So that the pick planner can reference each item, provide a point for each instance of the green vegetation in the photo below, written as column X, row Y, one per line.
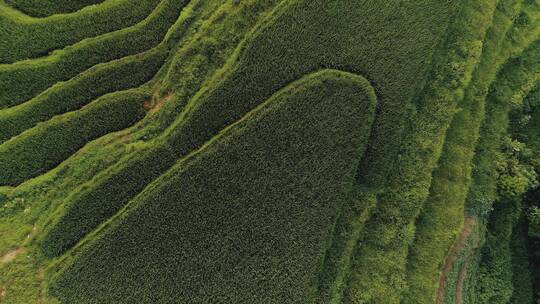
column 277, row 151
column 40, row 149
column 109, row 191
column 323, row 119
column 523, row 292
column 114, row 76
column 24, row 37
column 441, row 220
column 23, row 80
column 221, row 103
column 43, row 8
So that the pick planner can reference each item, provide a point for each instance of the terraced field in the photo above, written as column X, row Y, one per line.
column 276, row 151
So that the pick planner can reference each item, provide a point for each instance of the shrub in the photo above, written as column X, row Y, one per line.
column 442, row 216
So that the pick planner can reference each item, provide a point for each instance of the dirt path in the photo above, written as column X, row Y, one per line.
column 468, row 228
column 10, row 256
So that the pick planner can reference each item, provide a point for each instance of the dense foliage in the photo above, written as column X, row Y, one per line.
column 276, row 151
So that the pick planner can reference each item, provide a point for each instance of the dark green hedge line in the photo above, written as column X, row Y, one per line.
column 118, row 75
column 515, row 80
column 523, row 290
column 494, row 278
column 24, row 80
column 142, row 167
column 442, row 218
column 263, row 196
column 43, row 147
column 44, row 8
column 24, row 37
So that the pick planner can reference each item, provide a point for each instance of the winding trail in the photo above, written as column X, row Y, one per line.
column 468, row 227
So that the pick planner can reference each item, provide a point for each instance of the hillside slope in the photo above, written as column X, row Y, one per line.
column 276, row 151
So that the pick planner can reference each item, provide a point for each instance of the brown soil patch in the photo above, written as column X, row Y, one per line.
column 468, row 228
column 155, row 103
column 10, row 256
column 147, row 104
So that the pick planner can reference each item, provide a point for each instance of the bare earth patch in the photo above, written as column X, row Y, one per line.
column 155, row 103
column 10, row 256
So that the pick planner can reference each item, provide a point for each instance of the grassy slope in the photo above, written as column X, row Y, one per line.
column 451, row 179
column 44, row 8
column 270, row 212
column 118, row 75
column 186, row 76
column 104, row 195
column 34, row 161
column 24, row 37
column 40, row 193
column 24, row 209
column 462, row 37
column 378, row 273
column 221, row 102
column 442, row 217
column 40, row 149
column 515, row 81
column 23, row 80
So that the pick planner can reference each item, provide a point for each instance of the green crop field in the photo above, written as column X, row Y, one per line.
column 270, row 151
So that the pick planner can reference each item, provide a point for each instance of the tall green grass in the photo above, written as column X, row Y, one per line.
column 24, row 37
column 40, row 149
column 24, row 80
column 263, row 64
column 111, row 189
column 44, row 8
column 262, row 195
column 379, row 269
column 68, row 96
